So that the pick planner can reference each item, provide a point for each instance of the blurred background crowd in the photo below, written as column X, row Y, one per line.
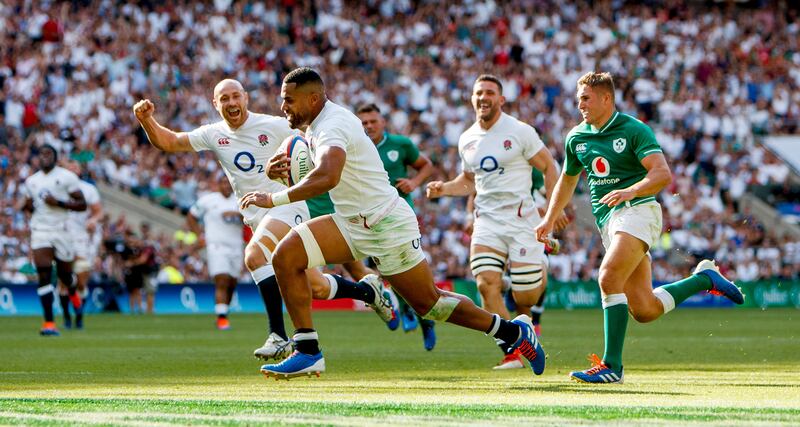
column 710, row 79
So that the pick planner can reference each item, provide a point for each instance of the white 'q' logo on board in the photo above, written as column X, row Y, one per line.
column 600, row 167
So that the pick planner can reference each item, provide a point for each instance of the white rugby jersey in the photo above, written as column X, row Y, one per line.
column 78, row 219
column 220, row 229
column 59, row 182
column 244, row 153
column 499, row 157
column 364, row 185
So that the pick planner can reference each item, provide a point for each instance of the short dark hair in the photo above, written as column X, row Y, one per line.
column 490, row 78
column 368, row 108
column 303, row 75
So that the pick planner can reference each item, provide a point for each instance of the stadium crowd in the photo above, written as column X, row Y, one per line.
column 710, row 79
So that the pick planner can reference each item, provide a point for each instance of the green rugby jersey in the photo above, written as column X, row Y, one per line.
column 397, row 154
column 611, row 157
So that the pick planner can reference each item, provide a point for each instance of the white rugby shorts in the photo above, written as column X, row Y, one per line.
column 389, row 235
column 641, row 221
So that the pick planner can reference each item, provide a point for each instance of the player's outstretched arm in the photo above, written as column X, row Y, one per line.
column 561, row 196
column 160, row 137
column 462, row 185
column 658, row 176
column 543, row 161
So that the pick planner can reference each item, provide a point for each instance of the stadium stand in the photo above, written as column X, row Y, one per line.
column 69, row 73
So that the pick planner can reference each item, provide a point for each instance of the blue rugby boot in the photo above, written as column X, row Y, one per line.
column 599, row 373
column 296, row 365
column 49, row 330
column 428, row 334
column 410, row 321
column 529, row 345
column 719, row 284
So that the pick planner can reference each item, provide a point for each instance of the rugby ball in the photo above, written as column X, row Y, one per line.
column 301, row 160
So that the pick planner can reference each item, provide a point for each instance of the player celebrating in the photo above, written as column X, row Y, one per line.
column 86, row 236
column 243, row 141
column 397, row 154
column 625, row 169
column 219, row 213
column 370, row 221
column 52, row 193
column 497, row 154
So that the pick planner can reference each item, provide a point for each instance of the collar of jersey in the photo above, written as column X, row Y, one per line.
column 249, row 116
column 385, row 137
column 328, row 103
column 605, row 126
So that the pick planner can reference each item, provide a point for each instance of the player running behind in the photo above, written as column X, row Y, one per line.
column 243, row 142
column 625, row 168
column 398, row 153
column 85, row 237
column 221, row 224
column 497, row 154
column 52, row 193
column 370, row 221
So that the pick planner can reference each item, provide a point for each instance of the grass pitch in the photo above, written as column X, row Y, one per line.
column 698, row 366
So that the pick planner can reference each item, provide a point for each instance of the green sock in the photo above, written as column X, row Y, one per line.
column 616, row 322
column 683, row 289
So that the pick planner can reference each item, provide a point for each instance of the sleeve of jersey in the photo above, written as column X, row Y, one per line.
column 197, row 210
column 464, row 165
column 645, row 142
column 572, row 166
column 73, row 183
column 24, row 190
column 198, row 138
column 532, row 143
column 412, row 152
column 93, row 196
column 333, row 137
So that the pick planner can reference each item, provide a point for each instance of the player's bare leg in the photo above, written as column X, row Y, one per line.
column 224, row 285
column 623, row 257
column 417, row 287
column 642, row 302
column 489, row 264
column 43, row 260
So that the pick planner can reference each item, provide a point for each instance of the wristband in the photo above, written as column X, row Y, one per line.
column 281, row 198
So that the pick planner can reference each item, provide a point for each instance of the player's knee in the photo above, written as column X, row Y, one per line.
column 609, row 279
column 441, row 310
column 254, row 257
column 287, row 256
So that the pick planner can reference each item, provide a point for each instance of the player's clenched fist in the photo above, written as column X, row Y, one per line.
column 434, row 189
column 144, row 109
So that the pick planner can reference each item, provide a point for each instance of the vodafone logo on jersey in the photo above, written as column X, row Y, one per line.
column 600, row 167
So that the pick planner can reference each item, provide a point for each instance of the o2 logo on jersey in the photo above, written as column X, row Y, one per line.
column 246, row 162
column 600, row 167
column 489, row 164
